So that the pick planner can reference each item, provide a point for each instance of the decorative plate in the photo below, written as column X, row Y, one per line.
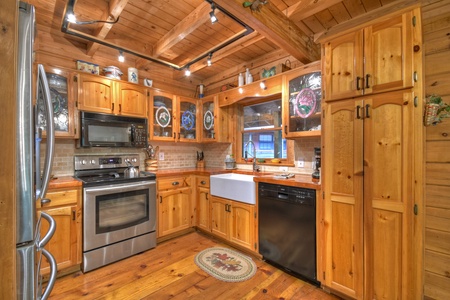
column 305, row 103
column 208, row 120
column 187, row 120
column 162, row 116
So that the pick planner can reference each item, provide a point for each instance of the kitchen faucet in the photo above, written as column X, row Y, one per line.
column 255, row 167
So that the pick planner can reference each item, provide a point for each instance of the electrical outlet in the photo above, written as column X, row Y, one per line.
column 283, row 169
column 301, row 163
column 161, row 155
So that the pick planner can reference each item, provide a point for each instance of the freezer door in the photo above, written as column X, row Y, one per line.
column 26, row 273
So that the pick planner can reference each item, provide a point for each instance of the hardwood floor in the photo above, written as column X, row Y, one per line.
column 169, row 272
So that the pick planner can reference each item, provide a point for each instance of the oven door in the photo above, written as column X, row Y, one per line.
column 113, row 213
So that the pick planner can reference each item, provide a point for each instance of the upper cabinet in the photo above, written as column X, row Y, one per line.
column 100, row 94
column 374, row 59
column 214, row 121
column 302, row 97
column 173, row 118
column 61, row 92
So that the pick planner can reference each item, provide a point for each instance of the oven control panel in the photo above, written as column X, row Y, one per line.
column 89, row 162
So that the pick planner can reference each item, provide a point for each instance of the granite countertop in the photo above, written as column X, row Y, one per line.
column 64, row 182
column 299, row 180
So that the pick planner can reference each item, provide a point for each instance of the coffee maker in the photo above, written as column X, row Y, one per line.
column 316, row 173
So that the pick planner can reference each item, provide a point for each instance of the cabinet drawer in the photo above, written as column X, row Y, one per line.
column 202, row 181
column 61, row 197
column 173, row 182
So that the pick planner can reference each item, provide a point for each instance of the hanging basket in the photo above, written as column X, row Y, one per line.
column 430, row 116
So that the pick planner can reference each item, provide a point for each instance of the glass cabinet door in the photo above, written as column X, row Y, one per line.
column 62, row 104
column 208, row 118
column 304, row 105
column 162, row 116
column 187, row 116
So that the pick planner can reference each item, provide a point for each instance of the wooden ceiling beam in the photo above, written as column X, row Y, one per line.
column 304, row 9
column 275, row 26
column 194, row 20
column 115, row 9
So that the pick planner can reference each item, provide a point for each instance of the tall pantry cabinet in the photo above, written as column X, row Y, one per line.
column 368, row 159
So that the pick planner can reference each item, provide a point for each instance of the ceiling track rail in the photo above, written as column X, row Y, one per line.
column 70, row 8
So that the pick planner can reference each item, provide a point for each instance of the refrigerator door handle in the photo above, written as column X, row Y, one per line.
column 41, row 243
column 52, row 278
column 41, row 186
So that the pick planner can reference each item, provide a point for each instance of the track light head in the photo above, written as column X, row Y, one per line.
column 209, row 61
column 212, row 16
column 121, row 58
column 187, row 72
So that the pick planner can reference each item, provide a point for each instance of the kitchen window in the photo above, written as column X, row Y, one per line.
column 261, row 124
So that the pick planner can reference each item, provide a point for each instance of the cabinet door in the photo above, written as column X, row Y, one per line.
column 203, row 219
column 219, row 217
column 388, row 55
column 388, row 195
column 95, row 94
column 173, row 212
column 187, row 120
column 242, row 230
column 161, row 116
column 209, row 120
column 63, row 245
column 343, row 66
column 61, row 93
column 343, row 186
column 132, row 100
column 302, row 104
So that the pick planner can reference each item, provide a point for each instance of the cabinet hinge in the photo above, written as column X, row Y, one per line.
column 148, row 94
column 323, row 275
column 76, row 104
column 75, row 78
column 75, row 131
column 416, row 209
column 255, row 246
column 416, row 101
column 323, row 195
column 255, row 215
column 414, row 21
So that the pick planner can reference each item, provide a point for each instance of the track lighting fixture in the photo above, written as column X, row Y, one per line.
column 121, row 58
column 212, row 16
column 209, row 61
column 187, row 72
column 71, row 18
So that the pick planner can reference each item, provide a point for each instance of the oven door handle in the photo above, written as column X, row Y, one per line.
column 115, row 188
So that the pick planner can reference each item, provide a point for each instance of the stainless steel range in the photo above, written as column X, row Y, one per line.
column 119, row 212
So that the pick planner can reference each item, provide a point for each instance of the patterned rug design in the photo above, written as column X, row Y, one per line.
column 225, row 264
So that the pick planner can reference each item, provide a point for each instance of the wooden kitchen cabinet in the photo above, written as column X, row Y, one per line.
column 173, row 118
column 203, row 219
column 65, row 245
column 374, row 59
column 104, row 95
column 174, row 204
column 233, row 221
column 215, row 121
column 302, row 103
column 61, row 84
column 369, row 203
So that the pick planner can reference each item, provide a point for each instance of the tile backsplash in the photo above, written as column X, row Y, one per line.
column 178, row 155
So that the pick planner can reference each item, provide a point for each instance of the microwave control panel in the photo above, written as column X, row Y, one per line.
column 139, row 133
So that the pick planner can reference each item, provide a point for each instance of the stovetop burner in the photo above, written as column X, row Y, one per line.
column 104, row 170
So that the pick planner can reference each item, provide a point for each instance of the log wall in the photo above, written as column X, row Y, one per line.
column 436, row 31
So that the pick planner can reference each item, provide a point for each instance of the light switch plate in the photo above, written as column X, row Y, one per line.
column 161, row 155
column 301, row 163
column 284, row 169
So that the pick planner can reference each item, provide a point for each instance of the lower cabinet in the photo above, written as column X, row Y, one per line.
column 203, row 220
column 174, row 204
column 65, row 246
column 233, row 221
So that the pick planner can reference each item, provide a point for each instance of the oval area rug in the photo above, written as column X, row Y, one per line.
column 226, row 264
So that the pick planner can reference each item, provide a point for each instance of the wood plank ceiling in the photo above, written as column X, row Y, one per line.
column 178, row 32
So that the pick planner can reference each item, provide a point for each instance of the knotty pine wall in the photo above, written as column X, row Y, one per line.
column 436, row 32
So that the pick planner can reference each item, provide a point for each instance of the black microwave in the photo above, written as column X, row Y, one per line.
column 103, row 130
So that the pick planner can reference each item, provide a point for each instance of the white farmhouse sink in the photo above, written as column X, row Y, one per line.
column 239, row 187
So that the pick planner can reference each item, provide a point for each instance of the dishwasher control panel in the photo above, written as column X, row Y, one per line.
column 291, row 194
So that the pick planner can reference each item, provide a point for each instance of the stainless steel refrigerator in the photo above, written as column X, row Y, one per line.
column 32, row 179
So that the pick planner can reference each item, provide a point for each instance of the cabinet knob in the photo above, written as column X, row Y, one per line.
column 203, row 182
column 175, row 183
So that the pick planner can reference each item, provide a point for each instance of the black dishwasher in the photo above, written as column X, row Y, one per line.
column 287, row 229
